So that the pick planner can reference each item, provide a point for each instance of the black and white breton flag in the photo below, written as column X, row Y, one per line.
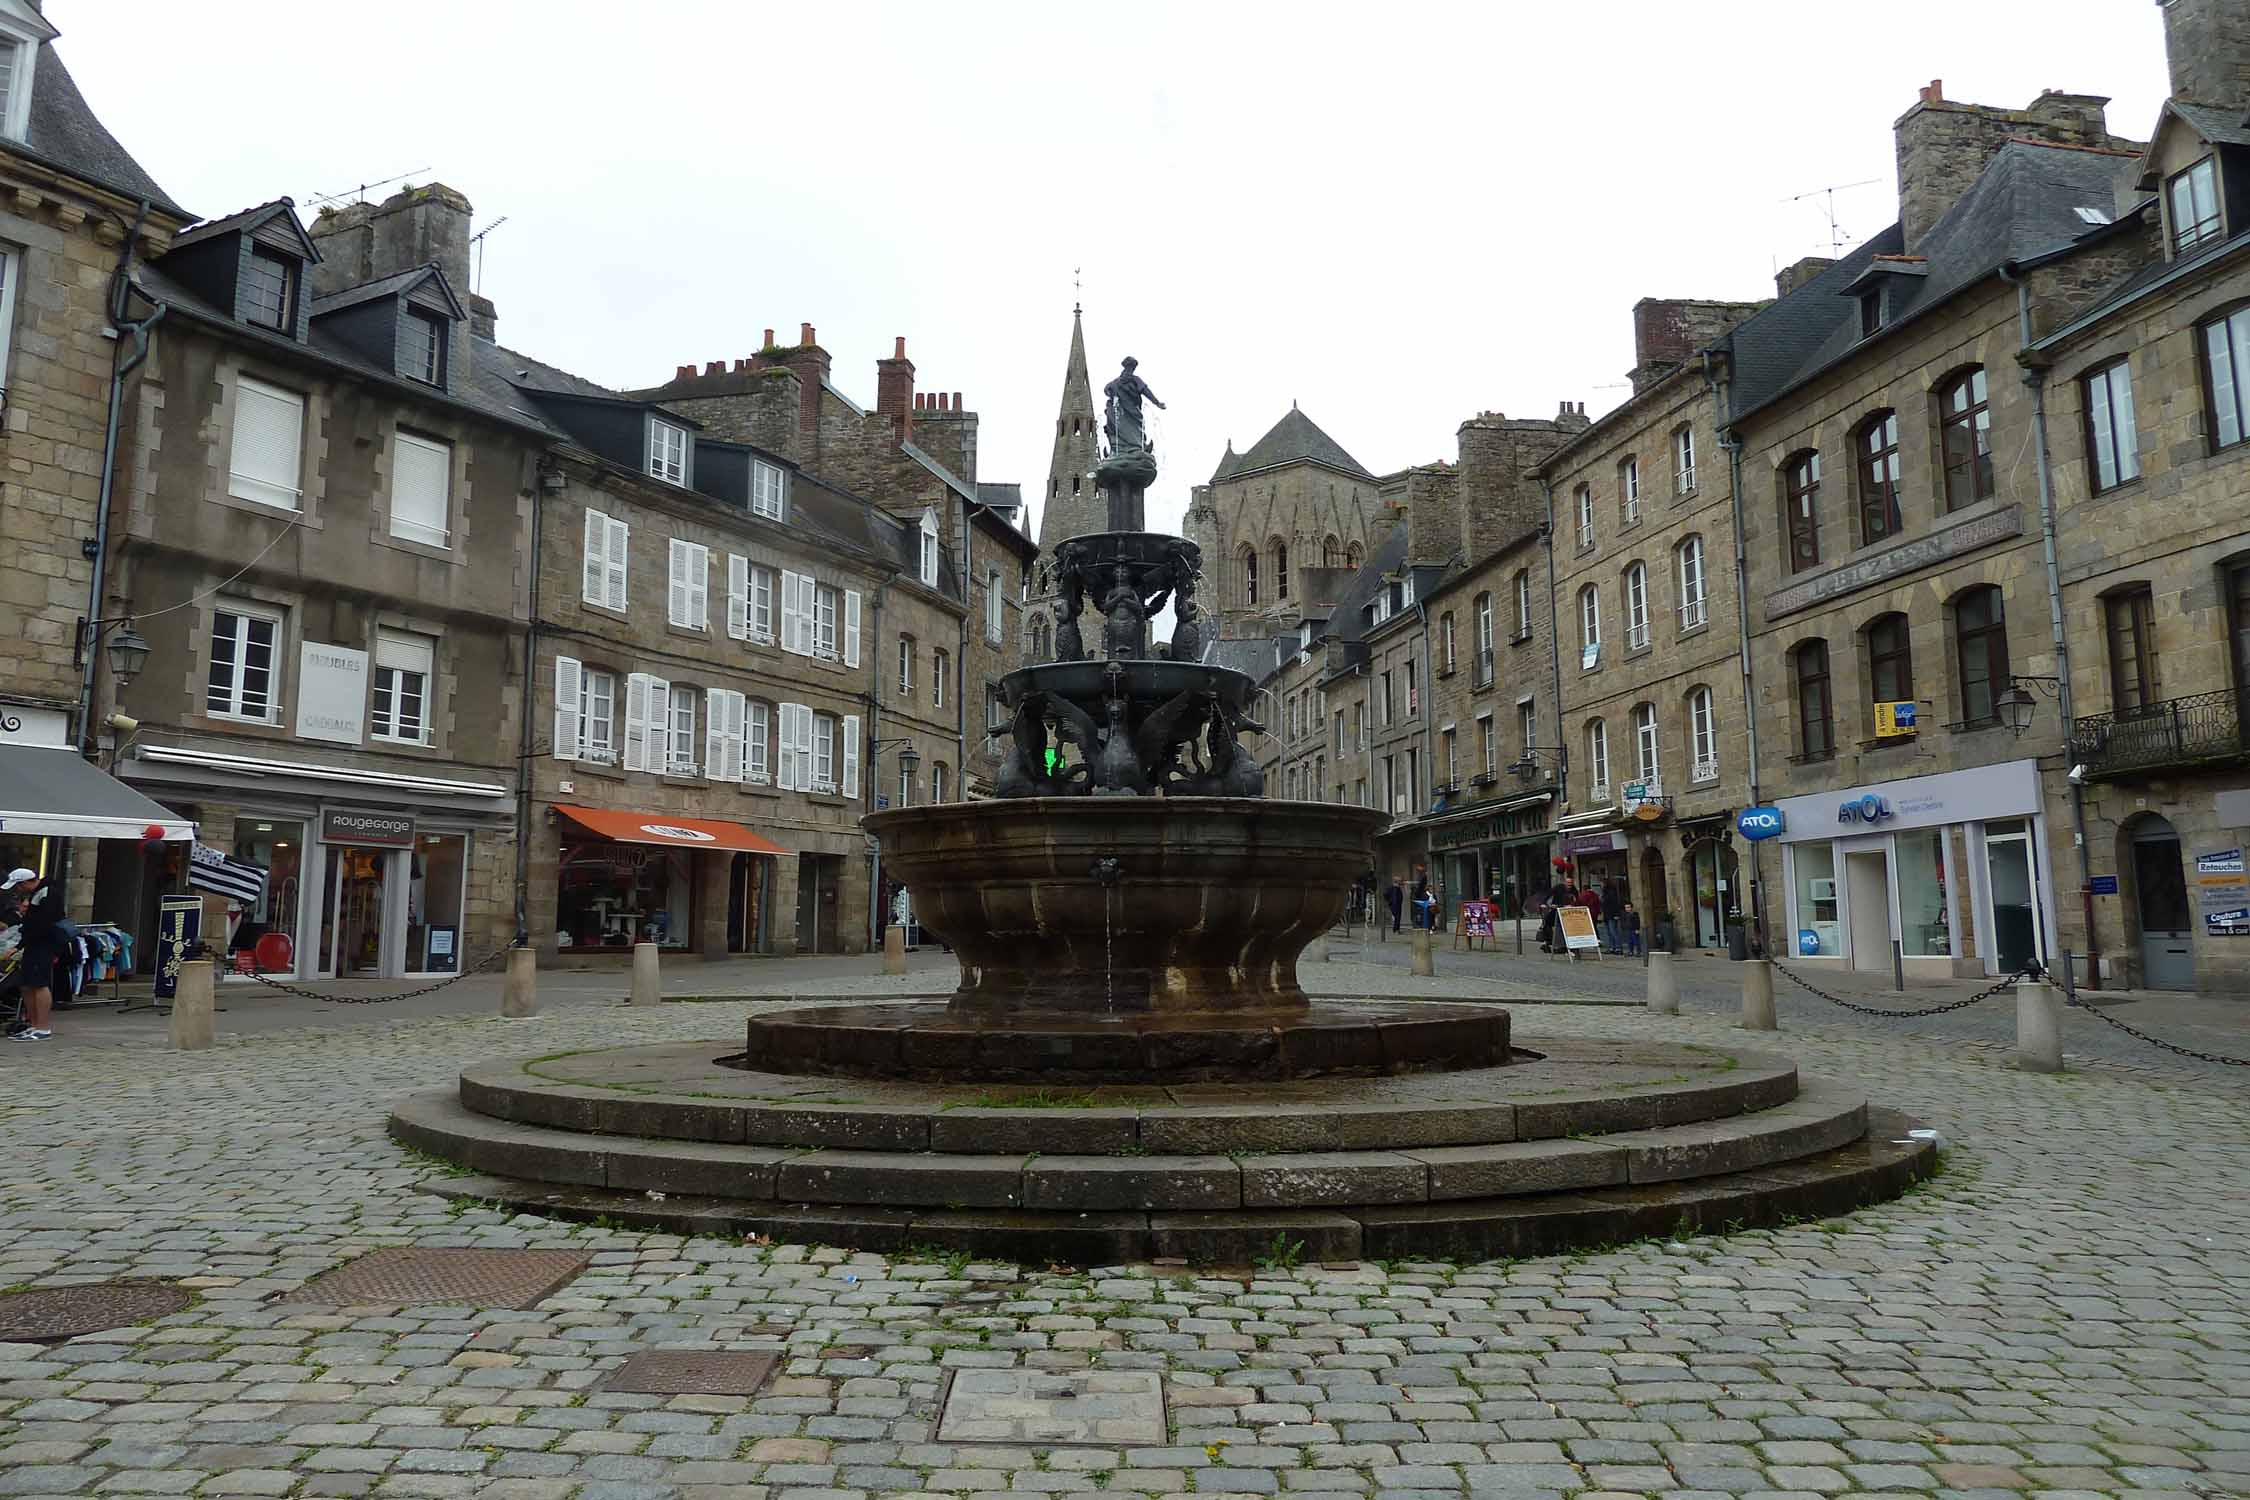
column 238, row 880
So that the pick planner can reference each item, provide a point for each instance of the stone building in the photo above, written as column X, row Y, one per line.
column 1650, row 660
column 1295, row 500
column 1888, row 476
column 75, row 211
column 319, row 536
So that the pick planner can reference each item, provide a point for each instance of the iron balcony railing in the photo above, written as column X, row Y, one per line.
column 2199, row 728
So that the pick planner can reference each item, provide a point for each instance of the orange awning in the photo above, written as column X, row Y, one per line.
column 670, row 831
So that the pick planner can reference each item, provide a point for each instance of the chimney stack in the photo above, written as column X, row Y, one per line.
column 1943, row 146
column 894, row 391
column 2207, row 43
column 360, row 242
column 1789, row 278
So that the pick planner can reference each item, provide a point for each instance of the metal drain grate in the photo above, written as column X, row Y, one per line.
column 475, row 1278
column 691, row 1372
column 61, row 1312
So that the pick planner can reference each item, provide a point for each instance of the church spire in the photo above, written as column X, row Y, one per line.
column 1071, row 505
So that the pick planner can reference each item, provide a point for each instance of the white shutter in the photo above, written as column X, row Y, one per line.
column 790, row 774
column 851, row 752
column 620, row 539
column 792, row 615
column 570, row 684
column 722, row 716
column 659, row 725
column 738, row 595
column 808, row 616
column 636, row 722
column 807, row 740
column 421, row 484
column 851, row 627
column 269, row 434
column 678, row 605
column 699, row 586
column 594, row 586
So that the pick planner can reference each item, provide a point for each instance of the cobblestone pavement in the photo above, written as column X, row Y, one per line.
column 2064, row 1313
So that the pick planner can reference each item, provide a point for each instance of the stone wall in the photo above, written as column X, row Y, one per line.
column 1302, row 505
column 1943, row 145
column 2208, row 45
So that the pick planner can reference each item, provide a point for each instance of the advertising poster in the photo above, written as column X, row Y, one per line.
column 2222, row 893
column 179, row 925
column 1476, row 918
column 1578, row 929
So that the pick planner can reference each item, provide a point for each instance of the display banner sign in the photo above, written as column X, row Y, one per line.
column 1578, row 929
column 1476, row 918
column 179, row 924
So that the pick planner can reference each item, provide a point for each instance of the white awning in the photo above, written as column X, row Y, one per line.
column 251, row 765
column 57, row 793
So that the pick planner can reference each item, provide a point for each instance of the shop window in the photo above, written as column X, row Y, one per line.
column 611, row 896
column 278, row 844
column 1924, row 923
column 438, row 878
column 1816, row 728
column 1980, row 632
column 1819, row 934
column 1966, row 439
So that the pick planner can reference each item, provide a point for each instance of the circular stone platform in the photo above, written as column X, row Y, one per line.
column 935, row 1043
column 1573, row 1143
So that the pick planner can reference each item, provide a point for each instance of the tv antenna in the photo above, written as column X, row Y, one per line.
column 476, row 245
column 1828, row 194
column 338, row 197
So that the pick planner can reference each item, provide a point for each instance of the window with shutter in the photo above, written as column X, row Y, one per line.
column 795, row 636
column 824, row 622
column 636, row 722
column 851, row 627
column 421, row 490
column 620, row 539
column 404, row 667
column 679, row 757
column 594, row 579
column 659, row 725
column 569, row 684
column 722, row 714
column 851, row 757
column 597, row 739
column 688, row 599
column 761, row 605
column 824, row 754
column 738, row 596
column 269, row 433
column 790, row 772
column 757, row 765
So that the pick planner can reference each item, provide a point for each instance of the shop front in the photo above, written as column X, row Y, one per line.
column 1952, row 869
column 1711, row 869
column 685, row 884
column 49, row 795
column 1497, row 851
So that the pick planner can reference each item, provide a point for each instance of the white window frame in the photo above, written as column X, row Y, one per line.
column 254, row 488
column 597, row 731
column 823, row 755
column 15, row 110
column 1647, row 745
column 2115, row 424
column 1527, row 722
column 826, row 605
column 2201, row 181
column 688, row 592
column 937, row 781
column 1703, row 736
column 396, row 644
column 1683, row 460
column 1585, row 499
column 1636, row 607
column 1695, row 597
column 679, row 739
column 769, row 490
column 1523, row 606
column 404, row 528
column 1589, row 628
column 1488, row 741
column 941, row 661
column 1597, row 760
column 1629, row 482
column 607, row 546
column 762, row 581
column 11, row 268
column 927, row 553
column 906, row 667
column 246, row 614
column 995, row 607
column 757, row 742
column 667, row 451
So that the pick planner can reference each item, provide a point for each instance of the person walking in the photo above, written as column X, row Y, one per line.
column 1395, row 898
column 39, row 907
column 1630, row 924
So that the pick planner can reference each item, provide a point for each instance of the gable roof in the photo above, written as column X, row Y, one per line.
column 63, row 133
column 2024, row 204
column 2221, row 127
column 1293, row 439
column 397, row 284
column 249, row 221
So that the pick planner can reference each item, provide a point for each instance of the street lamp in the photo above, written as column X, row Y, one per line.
column 909, row 760
column 2015, row 705
column 128, row 652
column 1526, row 766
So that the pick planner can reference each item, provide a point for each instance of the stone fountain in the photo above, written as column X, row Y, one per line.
column 1130, row 1067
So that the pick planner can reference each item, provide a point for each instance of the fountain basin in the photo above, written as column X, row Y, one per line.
column 1109, row 907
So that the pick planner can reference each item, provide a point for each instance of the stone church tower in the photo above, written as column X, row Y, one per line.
column 1070, row 506
column 1295, row 502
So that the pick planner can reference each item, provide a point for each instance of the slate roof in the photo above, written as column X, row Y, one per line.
column 387, row 286
column 1006, row 496
column 2221, row 127
column 2023, row 205
column 248, row 218
column 63, row 133
column 1293, row 439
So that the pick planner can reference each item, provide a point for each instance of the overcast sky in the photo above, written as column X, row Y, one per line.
column 1396, row 215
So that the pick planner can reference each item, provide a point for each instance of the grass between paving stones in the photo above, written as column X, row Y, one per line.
column 1037, row 1099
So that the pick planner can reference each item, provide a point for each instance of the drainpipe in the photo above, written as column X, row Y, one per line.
column 1731, row 445
column 121, row 365
column 961, row 653
column 524, row 753
column 1554, row 657
column 2035, row 376
column 878, row 918
column 1426, row 713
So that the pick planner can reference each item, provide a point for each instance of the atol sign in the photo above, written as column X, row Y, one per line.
column 1758, row 822
column 1868, row 809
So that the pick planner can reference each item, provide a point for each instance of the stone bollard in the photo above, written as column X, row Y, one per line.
column 894, row 949
column 1420, row 966
column 1757, row 995
column 1663, row 986
column 193, row 1027
column 2038, row 1027
column 519, row 990
column 648, row 981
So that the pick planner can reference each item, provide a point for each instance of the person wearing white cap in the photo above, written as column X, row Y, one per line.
column 41, row 950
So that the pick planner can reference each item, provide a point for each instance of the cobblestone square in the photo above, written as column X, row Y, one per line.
column 2060, row 1314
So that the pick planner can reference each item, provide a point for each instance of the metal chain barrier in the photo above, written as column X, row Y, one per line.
column 489, row 961
column 2031, row 970
column 2028, row 971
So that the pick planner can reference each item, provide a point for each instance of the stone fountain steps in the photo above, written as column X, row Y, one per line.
column 1877, row 1166
column 1822, row 1117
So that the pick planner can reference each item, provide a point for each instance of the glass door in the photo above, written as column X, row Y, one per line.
column 351, row 911
column 2016, row 931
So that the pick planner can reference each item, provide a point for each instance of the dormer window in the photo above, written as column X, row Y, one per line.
column 928, row 556
column 667, row 451
column 769, row 489
column 421, row 354
column 21, row 31
column 269, row 290
column 1870, row 313
column 2193, row 197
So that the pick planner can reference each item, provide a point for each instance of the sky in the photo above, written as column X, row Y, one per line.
column 1395, row 216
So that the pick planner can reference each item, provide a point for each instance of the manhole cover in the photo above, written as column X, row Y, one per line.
column 476, row 1278
column 1096, row 1407
column 61, row 1312
column 690, row 1372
